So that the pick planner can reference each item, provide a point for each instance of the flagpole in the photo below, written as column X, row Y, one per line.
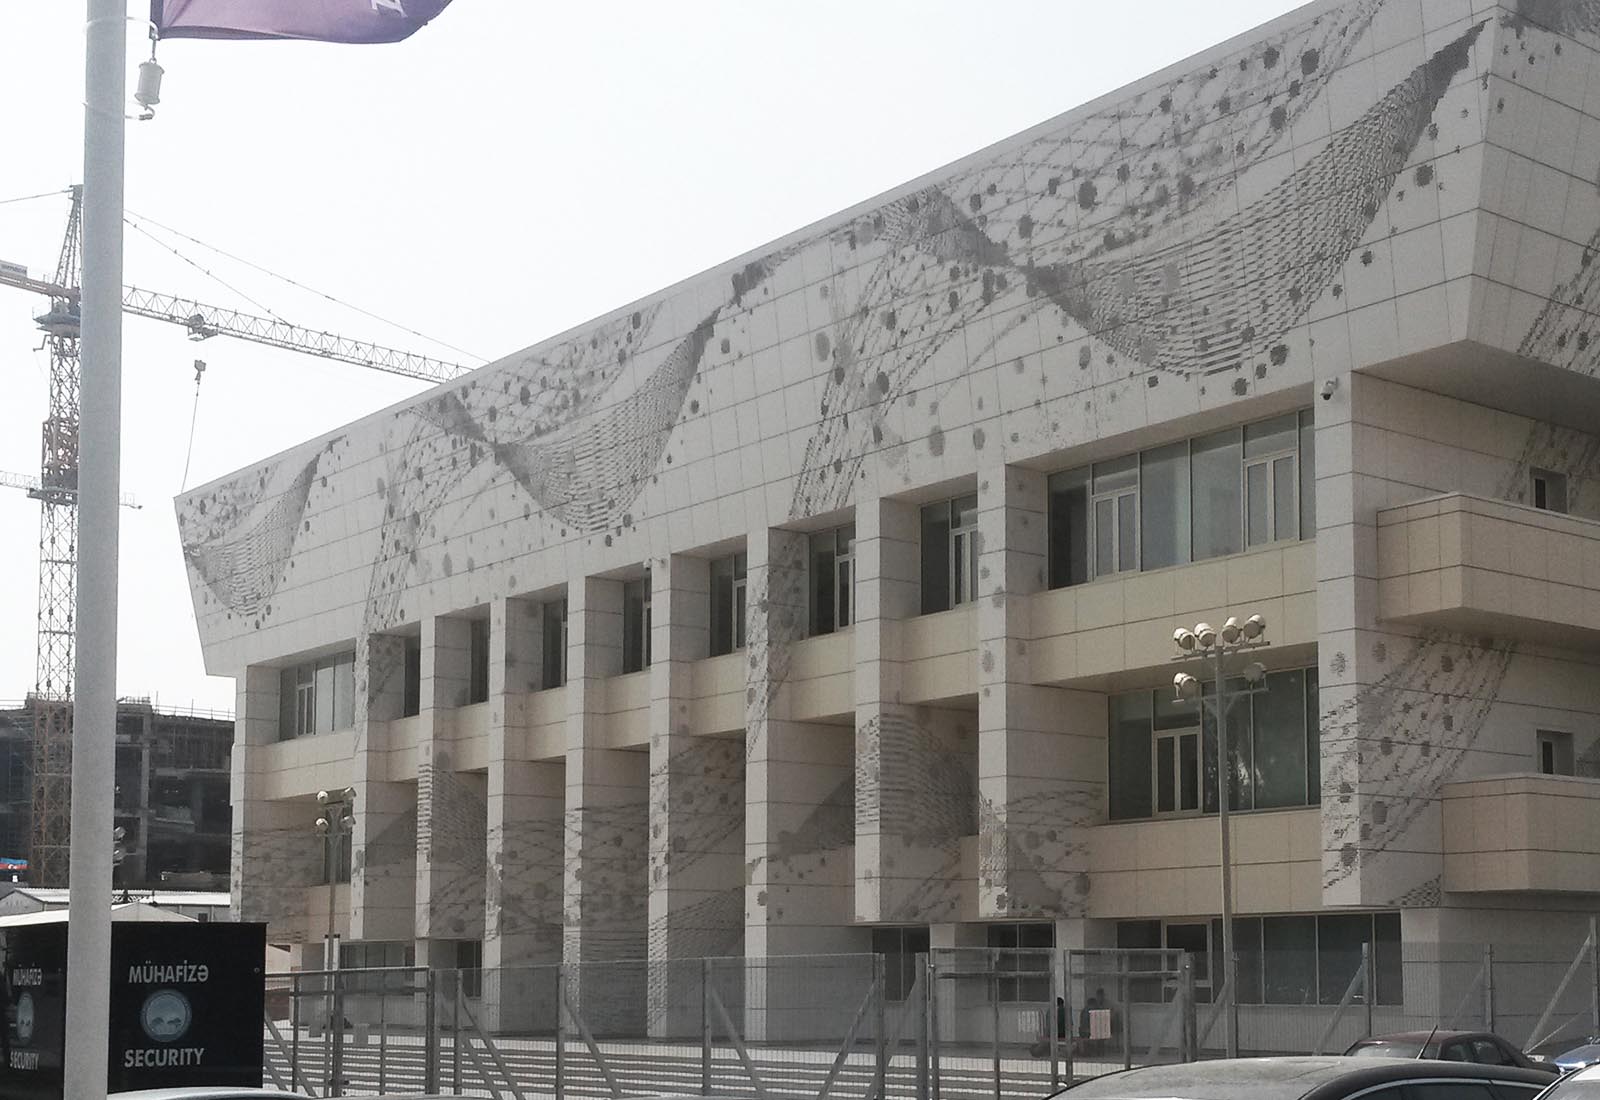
column 99, row 481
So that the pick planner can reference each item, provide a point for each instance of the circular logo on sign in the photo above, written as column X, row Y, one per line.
column 166, row 1015
column 25, row 1019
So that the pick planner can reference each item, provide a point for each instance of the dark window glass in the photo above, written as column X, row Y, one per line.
column 722, row 630
column 1278, row 757
column 1289, row 960
column 411, row 700
column 1389, row 978
column 1137, row 934
column 1164, row 506
column 899, row 948
column 1313, row 740
column 1247, row 945
column 478, row 661
column 1128, row 758
column 636, row 625
column 553, row 644
column 1452, row 1090
column 1339, row 940
column 1069, row 528
column 936, row 557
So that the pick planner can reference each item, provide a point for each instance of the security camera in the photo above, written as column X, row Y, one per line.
column 1328, row 387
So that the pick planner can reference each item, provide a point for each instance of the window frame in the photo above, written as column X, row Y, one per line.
column 478, row 648
column 962, row 554
column 1550, row 484
column 1562, row 752
column 1269, row 462
column 553, row 658
column 636, row 594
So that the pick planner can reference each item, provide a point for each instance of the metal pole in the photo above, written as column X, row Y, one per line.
column 933, row 1027
column 924, row 983
column 994, row 1004
column 455, row 1032
column 705, row 1027
column 430, row 1034
column 1594, row 974
column 1055, row 1024
column 336, row 1030
column 1230, row 1017
column 561, row 1031
column 1488, row 987
column 1368, row 986
column 880, row 1039
column 1186, row 979
column 294, row 1025
column 330, row 961
column 94, row 712
column 1127, row 1010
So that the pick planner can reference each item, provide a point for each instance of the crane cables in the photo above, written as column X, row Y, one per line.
column 134, row 218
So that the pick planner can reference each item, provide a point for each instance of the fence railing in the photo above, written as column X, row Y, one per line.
column 951, row 1024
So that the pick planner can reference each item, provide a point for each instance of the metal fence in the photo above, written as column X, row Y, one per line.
column 951, row 1024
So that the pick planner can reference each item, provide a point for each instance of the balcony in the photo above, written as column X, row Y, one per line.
column 1477, row 566
column 1522, row 833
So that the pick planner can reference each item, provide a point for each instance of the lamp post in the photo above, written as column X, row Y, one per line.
column 334, row 823
column 1206, row 641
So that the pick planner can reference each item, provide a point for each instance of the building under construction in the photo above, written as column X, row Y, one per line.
column 171, row 800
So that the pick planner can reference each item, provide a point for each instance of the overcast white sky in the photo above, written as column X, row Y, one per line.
column 515, row 169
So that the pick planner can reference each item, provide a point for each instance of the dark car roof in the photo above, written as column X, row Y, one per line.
column 1422, row 1036
column 1281, row 1078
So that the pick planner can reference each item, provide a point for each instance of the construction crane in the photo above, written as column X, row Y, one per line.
column 56, row 489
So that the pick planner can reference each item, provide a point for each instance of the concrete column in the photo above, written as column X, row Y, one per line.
column 799, row 780
column 1041, row 750
column 451, row 805
column 384, row 845
column 522, row 891
column 275, row 854
column 696, row 806
column 607, row 804
column 915, row 789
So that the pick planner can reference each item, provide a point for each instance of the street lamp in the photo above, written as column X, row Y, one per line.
column 334, row 823
column 1217, row 644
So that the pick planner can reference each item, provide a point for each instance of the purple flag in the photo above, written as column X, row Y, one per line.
column 314, row 20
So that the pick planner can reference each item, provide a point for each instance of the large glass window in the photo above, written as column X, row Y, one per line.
column 899, row 948
column 411, row 678
column 949, row 553
column 1164, row 506
column 553, row 643
column 636, row 624
column 1024, row 950
column 1216, row 502
column 1186, row 501
column 833, row 572
column 1161, row 754
column 728, row 599
column 317, row 697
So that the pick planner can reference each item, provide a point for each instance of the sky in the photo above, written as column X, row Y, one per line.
column 513, row 170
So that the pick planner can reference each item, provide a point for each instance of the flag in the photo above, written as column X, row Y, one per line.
column 313, row 20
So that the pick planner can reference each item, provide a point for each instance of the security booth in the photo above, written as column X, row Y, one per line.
column 186, row 1004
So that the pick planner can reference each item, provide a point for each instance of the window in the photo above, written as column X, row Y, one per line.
column 1186, row 501
column 553, row 644
column 949, row 553
column 1312, row 959
column 336, row 859
column 1115, row 516
column 1025, row 950
column 317, row 697
column 1547, row 490
column 1069, row 527
column 1555, row 752
column 469, row 966
column 899, row 948
column 377, row 956
column 833, row 573
column 1161, row 753
column 478, row 661
column 1216, row 503
column 636, row 624
column 1164, row 506
column 728, row 594
column 1272, row 484
column 411, row 679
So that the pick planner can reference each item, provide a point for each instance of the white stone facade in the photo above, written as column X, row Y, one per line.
column 1374, row 217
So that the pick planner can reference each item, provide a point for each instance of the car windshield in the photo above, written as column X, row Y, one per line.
column 1387, row 1048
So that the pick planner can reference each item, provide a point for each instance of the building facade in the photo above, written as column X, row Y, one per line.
column 825, row 602
column 172, row 775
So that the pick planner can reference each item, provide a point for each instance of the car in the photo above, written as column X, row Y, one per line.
column 1317, row 1078
column 1484, row 1047
column 1583, row 1084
